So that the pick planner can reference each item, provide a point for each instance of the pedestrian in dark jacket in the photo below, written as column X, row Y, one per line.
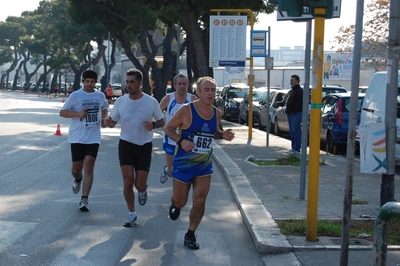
column 294, row 109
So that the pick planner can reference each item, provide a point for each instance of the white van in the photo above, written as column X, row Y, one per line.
column 373, row 108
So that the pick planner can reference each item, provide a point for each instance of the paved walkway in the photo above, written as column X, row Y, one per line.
column 266, row 194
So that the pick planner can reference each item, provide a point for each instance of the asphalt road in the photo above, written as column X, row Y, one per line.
column 40, row 223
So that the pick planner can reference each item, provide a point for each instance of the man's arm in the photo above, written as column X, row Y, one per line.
column 104, row 116
column 175, row 122
column 164, row 103
column 70, row 114
column 221, row 133
column 180, row 119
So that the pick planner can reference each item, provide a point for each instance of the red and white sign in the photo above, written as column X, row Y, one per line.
column 228, row 41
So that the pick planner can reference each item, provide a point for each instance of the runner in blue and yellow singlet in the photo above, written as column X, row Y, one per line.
column 198, row 125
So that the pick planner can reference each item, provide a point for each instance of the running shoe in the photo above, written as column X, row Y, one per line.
column 142, row 197
column 174, row 212
column 190, row 242
column 164, row 176
column 83, row 205
column 131, row 222
column 76, row 186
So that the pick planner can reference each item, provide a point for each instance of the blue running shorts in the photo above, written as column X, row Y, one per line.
column 186, row 175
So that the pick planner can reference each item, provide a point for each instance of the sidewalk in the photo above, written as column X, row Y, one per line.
column 265, row 194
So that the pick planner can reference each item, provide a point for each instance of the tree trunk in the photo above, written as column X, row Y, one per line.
column 192, row 27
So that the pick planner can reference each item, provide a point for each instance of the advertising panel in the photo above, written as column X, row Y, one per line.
column 337, row 67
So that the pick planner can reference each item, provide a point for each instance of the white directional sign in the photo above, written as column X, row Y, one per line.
column 228, row 41
column 282, row 15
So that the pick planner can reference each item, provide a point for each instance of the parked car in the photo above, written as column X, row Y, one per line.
column 218, row 92
column 281, row 123
column 12, row 86
column 362, row 89
column 335, row 118
column 229, row 99
column 327, row 89
column 259, row 94
column 32, row 87
column 117, row 90
column 274, row 96
column 374, row 105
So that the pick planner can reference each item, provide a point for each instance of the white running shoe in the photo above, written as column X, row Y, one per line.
column 142, row 197
column 76, row 187
column 164, row 176
column 84, row 205
column 131, row 222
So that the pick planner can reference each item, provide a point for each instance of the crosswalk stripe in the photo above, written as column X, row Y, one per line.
column 94, row 245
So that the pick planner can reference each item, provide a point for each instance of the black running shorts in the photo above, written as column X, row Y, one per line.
column 138, row 156
column 79, row 151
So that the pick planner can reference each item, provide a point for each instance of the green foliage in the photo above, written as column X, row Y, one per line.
column 374, row 37
column 359, row 202
column 333, row 228
column 298, row 227
column 60, row 29
column 291, row 160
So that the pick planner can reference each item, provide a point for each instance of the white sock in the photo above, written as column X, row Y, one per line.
column 134, row 214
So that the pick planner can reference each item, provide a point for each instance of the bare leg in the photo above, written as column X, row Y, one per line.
column 169, row 159
column 88, row 178
column 77, row 169
column 180, row 194
column 201, row 187
column 129, row 180
column 141, row 180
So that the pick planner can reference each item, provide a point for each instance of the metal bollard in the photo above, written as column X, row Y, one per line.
column 379, row 247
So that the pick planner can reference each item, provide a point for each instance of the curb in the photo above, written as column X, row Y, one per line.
column 263, row 229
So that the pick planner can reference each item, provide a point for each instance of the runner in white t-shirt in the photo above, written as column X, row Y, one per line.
column 138, row 114
column 169, row 104
column 87, row 108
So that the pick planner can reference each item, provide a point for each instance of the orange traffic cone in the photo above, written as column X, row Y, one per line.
column 38, row 95
column 50, row 97
column 62, row 100
column 58, row 131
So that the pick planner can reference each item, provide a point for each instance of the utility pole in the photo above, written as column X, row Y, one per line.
column 315, row 122
column 387, row 184
column 351, row 141
column 268, row 60
column 304, row 119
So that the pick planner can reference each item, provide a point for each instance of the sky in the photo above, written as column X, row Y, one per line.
column 283, row 33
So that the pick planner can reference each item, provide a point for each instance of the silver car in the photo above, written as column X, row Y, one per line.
column 276, row 95
column 117, row 90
